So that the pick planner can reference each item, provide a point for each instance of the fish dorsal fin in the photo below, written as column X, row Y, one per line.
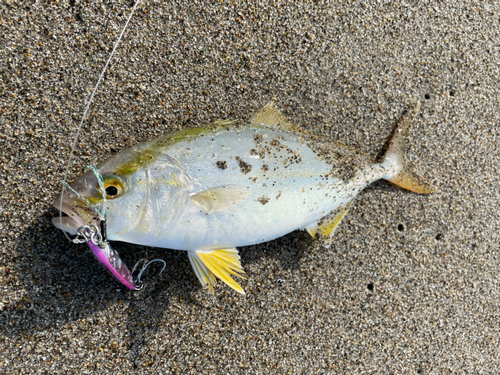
column 271, row 117
column 208, row 264
column 228, row 124
column 221, row 197
column 325, row 228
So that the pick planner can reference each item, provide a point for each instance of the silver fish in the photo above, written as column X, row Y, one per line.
column 211, row 189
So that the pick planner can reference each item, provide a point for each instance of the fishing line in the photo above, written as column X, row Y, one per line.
column 101, row 211
column 89, row 101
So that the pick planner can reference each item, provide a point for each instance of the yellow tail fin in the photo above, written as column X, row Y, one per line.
column 394, row 159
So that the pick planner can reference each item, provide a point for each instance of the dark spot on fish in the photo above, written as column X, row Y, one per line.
column 370, row 286
column 439, row 236
column 244, row 166
column 264, row 200
column 265, row 167
column 276, row 143
column 222, row 165
column 346, row 172
column 401, row 227
column 279, row 194
column 258, row 138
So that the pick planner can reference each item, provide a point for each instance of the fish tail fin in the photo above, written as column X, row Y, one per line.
column 394, row 160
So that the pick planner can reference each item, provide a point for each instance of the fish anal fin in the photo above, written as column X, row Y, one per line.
column 209, row 264
column 325, row 228
column 271, row 117
column 221, row 197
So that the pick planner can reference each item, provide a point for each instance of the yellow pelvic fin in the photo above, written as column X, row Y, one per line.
column 208, row 264
column 326, row 226
column 221, row 197
column 270, row 116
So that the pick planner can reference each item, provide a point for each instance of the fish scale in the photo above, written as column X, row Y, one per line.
column 299, row 187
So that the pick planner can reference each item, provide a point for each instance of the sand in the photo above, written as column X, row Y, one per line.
column 410, row 284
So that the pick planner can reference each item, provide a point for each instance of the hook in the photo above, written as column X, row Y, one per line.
column 139, row 284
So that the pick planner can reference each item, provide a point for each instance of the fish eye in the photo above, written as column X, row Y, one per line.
column 111, row 191
column 113, row 187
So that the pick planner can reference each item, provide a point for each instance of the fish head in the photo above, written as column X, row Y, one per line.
column 87, row 199
column 139, row 192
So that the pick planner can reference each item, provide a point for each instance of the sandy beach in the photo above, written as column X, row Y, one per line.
column 411, row 283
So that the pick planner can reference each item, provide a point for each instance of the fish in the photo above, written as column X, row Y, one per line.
column 209, row 190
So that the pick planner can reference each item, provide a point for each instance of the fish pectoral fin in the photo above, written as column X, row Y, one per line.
column 209, row 264
column 221, row 197
column 271, row 117
column 326, row 227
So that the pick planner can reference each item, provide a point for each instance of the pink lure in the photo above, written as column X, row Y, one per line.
column 110, row 259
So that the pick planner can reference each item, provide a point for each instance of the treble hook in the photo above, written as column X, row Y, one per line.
column 139, row 283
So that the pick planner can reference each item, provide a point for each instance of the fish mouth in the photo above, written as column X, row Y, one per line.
column 72, row 218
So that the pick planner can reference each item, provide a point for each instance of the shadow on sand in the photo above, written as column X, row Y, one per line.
column 63, row 283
